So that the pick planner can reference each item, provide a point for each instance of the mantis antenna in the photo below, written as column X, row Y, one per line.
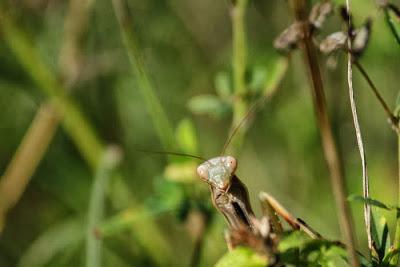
column 172, row 153
column 250, row 112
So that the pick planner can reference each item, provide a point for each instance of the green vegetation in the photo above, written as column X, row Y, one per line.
column 99, row 98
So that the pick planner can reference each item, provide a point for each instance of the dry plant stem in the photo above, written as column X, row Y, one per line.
column 158, row 115
column 239, row 62
column 389, row 113
column 367, row 207
column 26, row 159
column 328, row 142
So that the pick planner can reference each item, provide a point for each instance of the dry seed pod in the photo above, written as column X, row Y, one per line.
column 361, row 38
column 319, row 13
column 333, row 42
column 289, row 38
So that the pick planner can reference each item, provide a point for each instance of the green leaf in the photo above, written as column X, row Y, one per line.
column 294, row 239
column 370, row 201
column 52, row 242
column 389, row 256
column 208, row 105
column 258, row 77
column 241, row 257
column 186, row 136
column 223, row 85
column 275, row 75
column 393, row 22
column 380, row 234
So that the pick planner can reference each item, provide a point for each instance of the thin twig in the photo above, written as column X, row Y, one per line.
column 389, row 113
column 367, row 207
column 328, row 142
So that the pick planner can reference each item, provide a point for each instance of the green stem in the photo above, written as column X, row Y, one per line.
column 96, row 205
column 396, row 243
column 157, row 113
column 239, row 62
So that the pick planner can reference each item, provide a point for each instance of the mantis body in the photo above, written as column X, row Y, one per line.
column 230, row 197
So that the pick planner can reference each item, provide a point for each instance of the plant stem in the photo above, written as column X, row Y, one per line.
column 26, row 159
column 389, row 113
column 110, row 159
column 396, row 242
column 360, row 144
column 158, row 115
column 328, row 142
column 239, row 63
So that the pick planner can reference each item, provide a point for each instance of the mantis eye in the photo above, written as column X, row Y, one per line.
column 231, row 163
column 202, row 172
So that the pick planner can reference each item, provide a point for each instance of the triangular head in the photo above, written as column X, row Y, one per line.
column 218, row 171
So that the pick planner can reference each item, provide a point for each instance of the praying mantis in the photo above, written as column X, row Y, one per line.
column 230, row 197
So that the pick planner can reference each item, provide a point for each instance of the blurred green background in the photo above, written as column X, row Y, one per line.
column 185, row 45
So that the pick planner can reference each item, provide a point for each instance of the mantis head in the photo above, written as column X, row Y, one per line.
column 218, row 171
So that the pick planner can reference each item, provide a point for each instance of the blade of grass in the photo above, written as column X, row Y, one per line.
column 111, row 157
column 26, row 159
column 328, row 143
column 158, row 115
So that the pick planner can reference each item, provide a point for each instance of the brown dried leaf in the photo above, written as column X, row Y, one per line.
column 319, row 13
column 333, row 42
column 289, row 38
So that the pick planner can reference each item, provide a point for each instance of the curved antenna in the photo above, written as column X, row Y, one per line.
column 283, row 65
column 250, row 112
column 171, row 153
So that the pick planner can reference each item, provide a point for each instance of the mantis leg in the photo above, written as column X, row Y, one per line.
column 294, row 222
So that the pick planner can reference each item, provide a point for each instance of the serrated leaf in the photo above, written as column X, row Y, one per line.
column 186, row 136
column 241, row 257
column 208, row 105
column 223, row 85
